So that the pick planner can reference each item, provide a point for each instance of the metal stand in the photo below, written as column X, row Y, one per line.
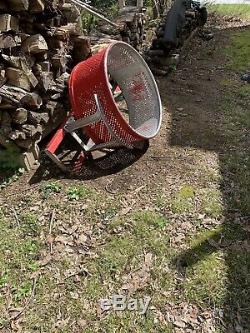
column 71, row 126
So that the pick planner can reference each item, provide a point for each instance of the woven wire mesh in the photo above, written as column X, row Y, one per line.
column 122, row 64
column 127, row 68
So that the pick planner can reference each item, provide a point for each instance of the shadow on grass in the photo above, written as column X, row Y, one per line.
column 223, row 126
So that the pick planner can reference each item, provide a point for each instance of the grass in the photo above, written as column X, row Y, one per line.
column 235, row 110
column 235, row 10
column 29, row 225
column 183, row 200
column 206, row 282
column 79, row 192
column 211, row 202
column 143, row 232
column 214, row 276
column 18, row 260
column 237, row 161
column 206, row 270
column 244, row 91
column 50, row 188
column 238, row 51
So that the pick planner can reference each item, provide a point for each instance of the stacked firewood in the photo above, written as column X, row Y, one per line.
column 40, row 42
column 160, row 59
column 177, row 26
column 133, row 26
column 130, row 26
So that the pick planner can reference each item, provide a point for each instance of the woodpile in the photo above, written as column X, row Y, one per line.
column 40, row 42
column 130, row 26
column 177, row 26
column 132, row 21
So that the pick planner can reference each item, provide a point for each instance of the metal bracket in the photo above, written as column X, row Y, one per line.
column 71, row 125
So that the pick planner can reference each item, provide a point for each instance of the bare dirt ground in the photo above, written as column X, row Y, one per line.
column 172, row 224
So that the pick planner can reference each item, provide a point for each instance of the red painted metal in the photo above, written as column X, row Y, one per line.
column 88, row 78
column 56, row 140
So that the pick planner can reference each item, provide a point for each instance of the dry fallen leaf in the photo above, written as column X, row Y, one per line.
column 139, row 279
column 179, row 323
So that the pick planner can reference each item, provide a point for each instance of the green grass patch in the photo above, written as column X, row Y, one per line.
column 216, row 268
column 116, row 254
column 238, row 262
column 227, row 82
column 18, row 259
column 236, row 113
column 183, row 201
column 238, row 166
column 244, row 91
column 238, row 50
column 50, row 188
column 30, row 225
column 236, row 10
column 236, row 161
column 80, row 192
column 211, row 202
column 139, row 324
column 206, row 282
column 150, row 219
column 206, row 270
column 144, row 233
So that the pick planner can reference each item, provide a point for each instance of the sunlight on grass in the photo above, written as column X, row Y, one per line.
column 183, row 201
column 206, row 270
column 206, row 281
column 122, row 321
column 211, row 202
column 236, row 10
column 209, row 268
column 80, row 192
column 238, row 51
column 18, row 256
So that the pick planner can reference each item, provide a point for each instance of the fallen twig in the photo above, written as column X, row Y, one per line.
column 50, row 230
column 52, row 221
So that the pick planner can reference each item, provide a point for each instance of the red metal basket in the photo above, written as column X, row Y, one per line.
column 94, row 108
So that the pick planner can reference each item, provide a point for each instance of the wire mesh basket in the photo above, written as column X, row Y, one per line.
column 122, row 66
column 115, row 101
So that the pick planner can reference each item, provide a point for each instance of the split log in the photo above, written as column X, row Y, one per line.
column 18, row 78
column 19, row 5
column 33, row 101
column 82, row 49
column 20, row 116
column 36, row 6
column 36, row 118
column 8, row 23
column 7, row 41
column 35, row 44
